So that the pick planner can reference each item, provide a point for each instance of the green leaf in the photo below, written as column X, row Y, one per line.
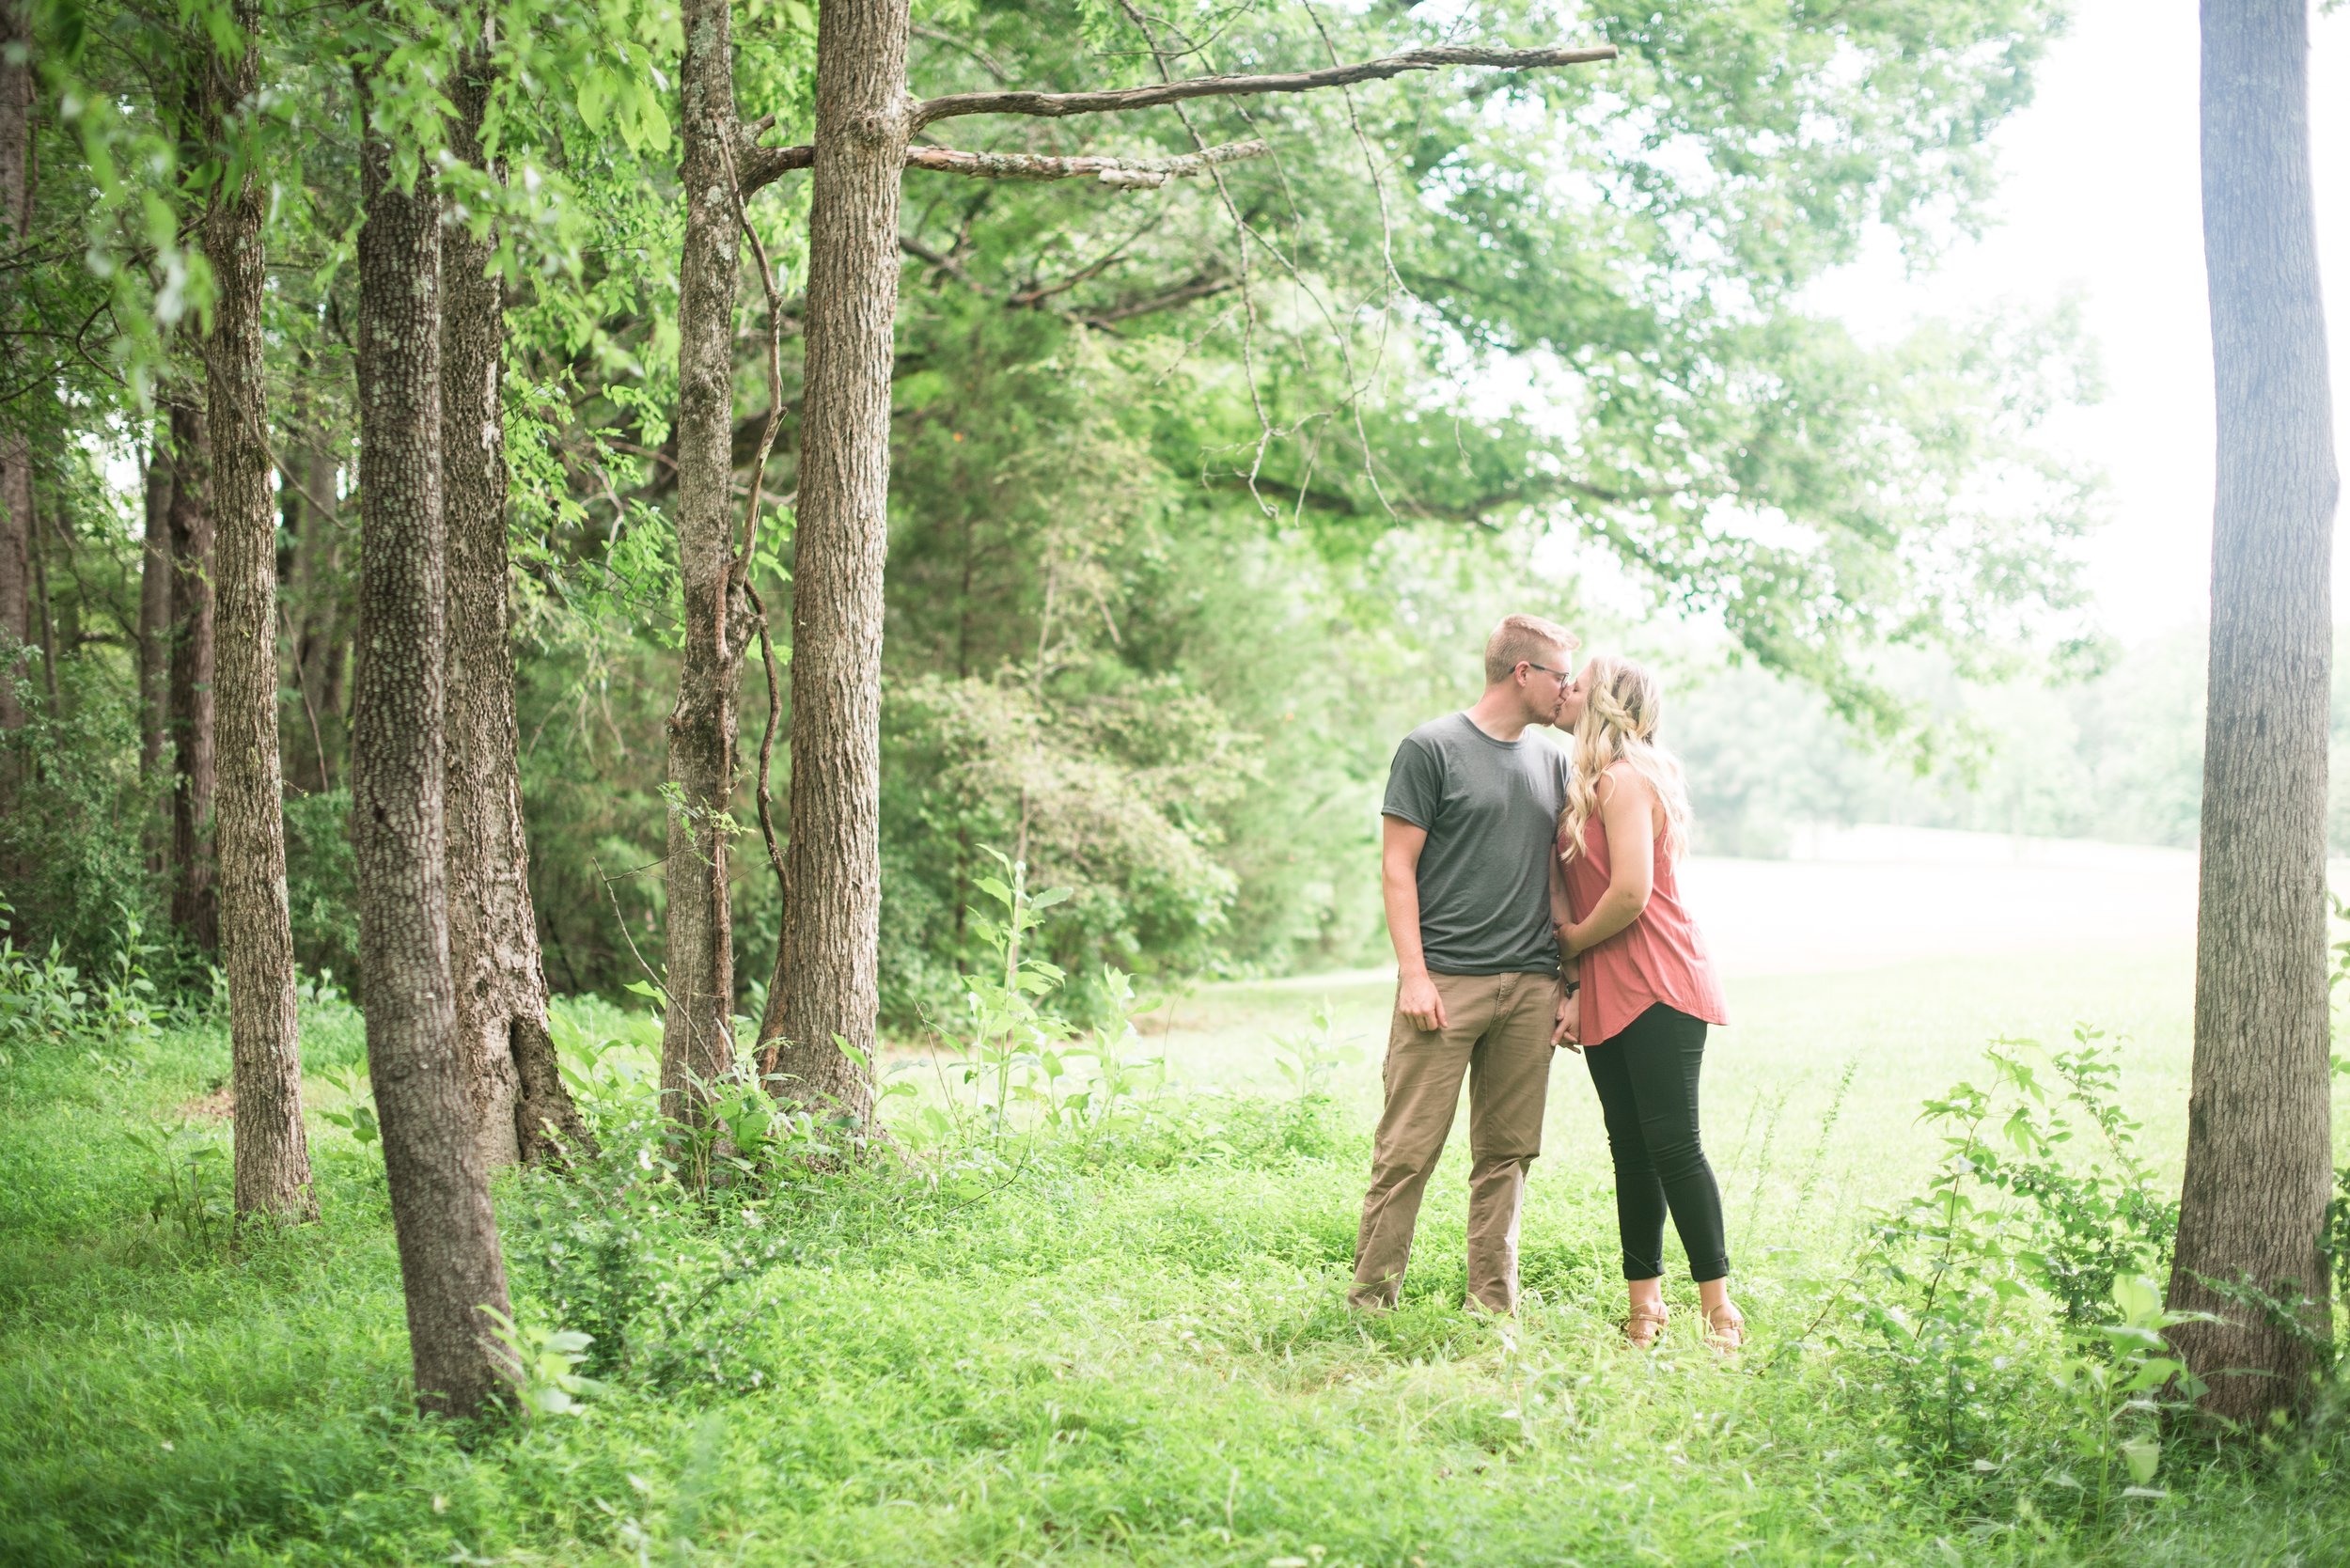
column 2143, row 1455
column 2136, row 1298
column 595, row 97
column 654, row 123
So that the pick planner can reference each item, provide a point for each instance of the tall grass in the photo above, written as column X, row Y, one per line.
column 1080, row 1348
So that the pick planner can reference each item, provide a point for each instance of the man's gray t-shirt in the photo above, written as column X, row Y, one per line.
column 1490, row 809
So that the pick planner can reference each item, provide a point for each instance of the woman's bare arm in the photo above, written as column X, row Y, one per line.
column 1627, row 811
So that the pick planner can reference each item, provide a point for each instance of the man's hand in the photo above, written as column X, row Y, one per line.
column 1569, row 1021
column 1418, row 1001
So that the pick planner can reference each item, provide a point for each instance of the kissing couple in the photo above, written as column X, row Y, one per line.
column 1532, row 900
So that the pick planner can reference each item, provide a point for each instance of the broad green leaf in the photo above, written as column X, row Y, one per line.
column 595, row 96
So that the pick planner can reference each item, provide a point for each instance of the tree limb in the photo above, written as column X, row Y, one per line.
column 1056, row 104
column 1532, row 491
column 1134, row 173
column 760, row 166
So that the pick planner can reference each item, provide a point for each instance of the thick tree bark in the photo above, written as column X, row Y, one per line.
column 16, row 453
column 826, row 983
column 696, row 1036
column 155, row 574
column 194, row 908
column 272, row 1153
column 521, row 1107
column 2258, row 1161
column 449, row 1262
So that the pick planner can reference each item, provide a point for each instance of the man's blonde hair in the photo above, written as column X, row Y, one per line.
column 1522, row 639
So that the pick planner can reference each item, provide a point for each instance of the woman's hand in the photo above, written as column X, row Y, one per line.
column 1564, row 931
column 1569, row 1021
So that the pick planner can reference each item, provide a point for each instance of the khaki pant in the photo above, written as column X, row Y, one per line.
column 1497, row 1033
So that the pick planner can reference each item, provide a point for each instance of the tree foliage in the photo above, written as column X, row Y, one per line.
column 1199, row 493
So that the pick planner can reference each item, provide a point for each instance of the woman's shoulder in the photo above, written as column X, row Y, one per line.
column 1622, row 775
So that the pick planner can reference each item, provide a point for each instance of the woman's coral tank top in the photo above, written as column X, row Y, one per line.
column 1659, row 957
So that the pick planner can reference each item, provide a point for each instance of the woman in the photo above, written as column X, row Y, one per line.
column 1643, row 988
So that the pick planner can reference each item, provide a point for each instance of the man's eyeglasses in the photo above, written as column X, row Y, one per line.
column 1562, row 676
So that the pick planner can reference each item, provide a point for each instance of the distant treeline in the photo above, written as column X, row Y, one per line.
column 2116, row 756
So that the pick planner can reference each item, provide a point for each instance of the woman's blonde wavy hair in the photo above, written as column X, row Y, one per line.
column 1619, row 725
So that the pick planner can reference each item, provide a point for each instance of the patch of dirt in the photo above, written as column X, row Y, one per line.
column 219, row 1105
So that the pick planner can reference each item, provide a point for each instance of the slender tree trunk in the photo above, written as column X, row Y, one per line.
column 828, row 967
column 155, row 574
column 272, row 1153
column 194, row 908
column 520, row 1103
column 16, row 454
column 696, row 1038
column 44, row 608
column 2258, row 1126
column 449, row 1262
column 316, row 611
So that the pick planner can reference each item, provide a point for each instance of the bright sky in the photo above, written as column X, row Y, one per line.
column 2099, row 191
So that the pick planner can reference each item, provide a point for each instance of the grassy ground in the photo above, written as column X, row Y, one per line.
column 1132, row 1350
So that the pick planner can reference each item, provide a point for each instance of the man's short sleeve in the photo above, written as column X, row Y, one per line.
column 1415, row 784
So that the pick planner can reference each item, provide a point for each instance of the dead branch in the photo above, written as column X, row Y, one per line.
column 1200, row 286
column 1055, row 105
column 1131, row 173
column 760, row 166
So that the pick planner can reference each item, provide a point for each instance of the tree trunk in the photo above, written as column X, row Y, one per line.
column 697, row 1036
column 521, row 1106
column 194, row 908
column 304, row 529
column 450, row 1263
column 314, row 588
column 827, row 966
column 273, row 1154
column 2258, row 1160
column 155, row 574
column 45, row 608
column 16, row 453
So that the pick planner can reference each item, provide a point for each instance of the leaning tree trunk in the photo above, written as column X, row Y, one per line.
column 450, row 1263
column 696, row 1038
column 2258, row 1159
column 16, row 452
column 521, row 1107
column 194, row 908
column 828, row 967
column 273, row 1154
column 156, row 573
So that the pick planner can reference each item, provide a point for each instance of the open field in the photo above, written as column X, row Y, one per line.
column 1133, row 1351
column 1897, row 955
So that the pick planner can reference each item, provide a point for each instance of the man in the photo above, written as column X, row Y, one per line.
column 1472, row 891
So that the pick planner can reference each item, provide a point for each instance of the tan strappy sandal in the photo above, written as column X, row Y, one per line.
column 1725, row 1331
column 1642, row 1326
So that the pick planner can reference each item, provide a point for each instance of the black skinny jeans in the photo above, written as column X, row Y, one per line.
column 1647, row 1079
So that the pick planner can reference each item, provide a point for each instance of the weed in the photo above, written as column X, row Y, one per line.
column 188, row 1183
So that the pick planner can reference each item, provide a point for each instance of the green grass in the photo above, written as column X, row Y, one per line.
column 1136, row 1357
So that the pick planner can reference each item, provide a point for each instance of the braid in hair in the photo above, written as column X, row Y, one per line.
column 1619, row 725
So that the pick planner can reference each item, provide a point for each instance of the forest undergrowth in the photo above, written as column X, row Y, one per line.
column 1073, row 1310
